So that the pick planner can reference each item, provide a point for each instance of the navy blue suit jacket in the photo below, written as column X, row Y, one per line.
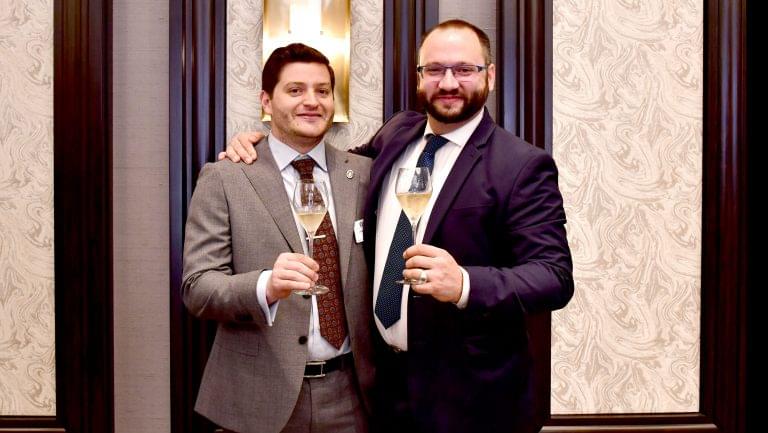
column 500, row 215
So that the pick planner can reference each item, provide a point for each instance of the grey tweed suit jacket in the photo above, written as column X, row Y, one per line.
column 239, row 221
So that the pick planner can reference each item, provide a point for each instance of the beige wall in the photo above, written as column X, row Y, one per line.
column 141, row 291
column 366, row 83
column 627, row 136
column 27, row 331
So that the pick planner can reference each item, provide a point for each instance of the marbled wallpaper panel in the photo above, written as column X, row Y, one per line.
column 627, row 137
column 27, row 355
column 244, row 27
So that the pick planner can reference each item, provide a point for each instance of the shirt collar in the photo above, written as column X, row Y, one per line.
column 461, row 135
column 285, row 154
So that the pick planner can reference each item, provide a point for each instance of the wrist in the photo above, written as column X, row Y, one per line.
column 271, row 297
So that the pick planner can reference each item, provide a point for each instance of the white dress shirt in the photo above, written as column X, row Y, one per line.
column 319, row 349
column 389, row 210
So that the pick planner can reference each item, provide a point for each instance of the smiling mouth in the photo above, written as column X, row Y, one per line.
column 448, row 98
column 310, row 116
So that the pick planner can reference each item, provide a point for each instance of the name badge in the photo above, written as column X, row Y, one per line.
column 358, row 231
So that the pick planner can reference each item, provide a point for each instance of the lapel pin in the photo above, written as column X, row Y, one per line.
column 350, row 174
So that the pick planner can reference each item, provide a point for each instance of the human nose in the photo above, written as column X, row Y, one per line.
column 448, row 80
column 311, row 98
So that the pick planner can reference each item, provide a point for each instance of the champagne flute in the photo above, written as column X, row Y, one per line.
column 309, row 204
column 413, row 188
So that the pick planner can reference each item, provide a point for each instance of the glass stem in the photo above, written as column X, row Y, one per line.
column 414, row 229
column 310, row 241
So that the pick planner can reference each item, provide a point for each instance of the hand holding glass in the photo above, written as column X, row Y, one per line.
column 413, row 188
column 309, row 198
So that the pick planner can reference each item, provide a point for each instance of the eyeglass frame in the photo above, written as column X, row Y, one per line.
column 445, row 68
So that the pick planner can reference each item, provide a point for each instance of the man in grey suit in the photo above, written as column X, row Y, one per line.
column 280, row 361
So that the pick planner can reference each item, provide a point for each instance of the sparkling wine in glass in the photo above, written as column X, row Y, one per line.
column 413, row 188
column 309, row 204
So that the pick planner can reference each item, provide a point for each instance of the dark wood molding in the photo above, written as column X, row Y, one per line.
column 82, row 176
column 647, row 422
column 524, row 61
column 524, row 107
column 725, row 212
column 83, row 214
column 31, row 424
column 197, row 129
column 405, row 21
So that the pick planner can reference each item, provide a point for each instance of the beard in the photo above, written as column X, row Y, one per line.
column 473, row 103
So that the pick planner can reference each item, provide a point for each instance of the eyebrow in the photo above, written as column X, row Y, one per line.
column 304, row 83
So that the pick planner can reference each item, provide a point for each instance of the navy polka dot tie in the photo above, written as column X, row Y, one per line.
column 390, row 295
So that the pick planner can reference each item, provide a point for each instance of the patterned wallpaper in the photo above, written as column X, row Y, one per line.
column 244, row 27
column 27, row 357
column 627, row 133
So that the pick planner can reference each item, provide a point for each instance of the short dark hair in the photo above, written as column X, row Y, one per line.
column 485, row 42
column 293, row 53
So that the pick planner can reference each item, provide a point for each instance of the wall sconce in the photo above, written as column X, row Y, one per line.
column 321, row 24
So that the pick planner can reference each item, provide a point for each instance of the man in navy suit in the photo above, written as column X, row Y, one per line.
column 491, row 247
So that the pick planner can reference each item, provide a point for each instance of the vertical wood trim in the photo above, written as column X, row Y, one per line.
column 507, row 62
column 83, row 214
column 524, row 63
column 197, row 133
column 725, row 211
column 524, row 101
column 405, row 22
column 82, row 178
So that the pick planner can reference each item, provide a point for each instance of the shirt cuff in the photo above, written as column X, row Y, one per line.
column 464, row 299
column 270, row 311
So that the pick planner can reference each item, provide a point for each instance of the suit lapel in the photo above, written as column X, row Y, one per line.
column 469, row 156
column 344, row 202
column 389, row 154
column 268, row 183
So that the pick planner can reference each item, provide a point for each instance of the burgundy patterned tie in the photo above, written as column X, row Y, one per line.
column 330, row 306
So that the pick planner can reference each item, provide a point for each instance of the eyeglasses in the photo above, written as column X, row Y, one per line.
column 436, row 72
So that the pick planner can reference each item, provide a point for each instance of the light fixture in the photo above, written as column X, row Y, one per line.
column 321, row 24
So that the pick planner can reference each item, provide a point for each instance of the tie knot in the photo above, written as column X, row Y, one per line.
column 427, row 157
column 434, row 142
column 304, row 166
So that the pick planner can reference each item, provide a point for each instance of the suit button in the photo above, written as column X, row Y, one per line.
column 244, row 317
column 303, row 340
column 306, row 296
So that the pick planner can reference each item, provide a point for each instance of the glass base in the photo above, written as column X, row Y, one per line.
column 408, row 281
column 317, row 289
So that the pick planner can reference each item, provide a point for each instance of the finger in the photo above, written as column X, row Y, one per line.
column 254, row 138
column 297, row 266
column 422, row 262
column 289, row 285
column 221, row 156
column 413, row 275
column 298, row 261
column 422, row 250
column 289, row 276
column 309, row 262
column 232, row 155
column 423, row 289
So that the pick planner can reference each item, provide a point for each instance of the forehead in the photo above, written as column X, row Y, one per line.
column 308, row 73
column 450, row 46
